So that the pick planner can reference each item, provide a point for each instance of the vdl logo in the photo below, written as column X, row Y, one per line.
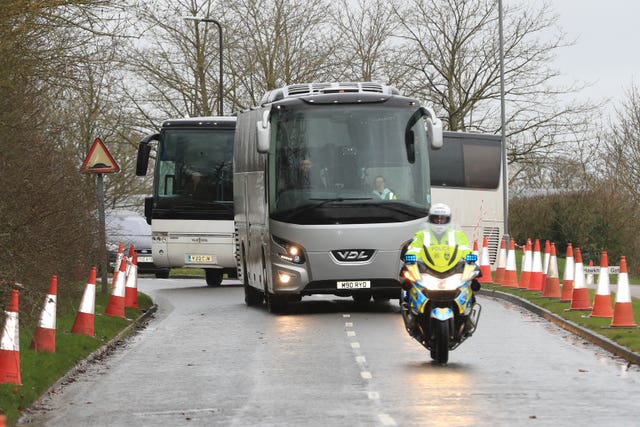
column 353, row 255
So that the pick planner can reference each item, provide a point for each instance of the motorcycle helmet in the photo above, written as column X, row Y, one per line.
column 439, row 217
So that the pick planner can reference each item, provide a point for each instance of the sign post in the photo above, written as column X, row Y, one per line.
column 100, row 161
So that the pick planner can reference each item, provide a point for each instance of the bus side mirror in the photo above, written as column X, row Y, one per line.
column 263, row 130
column 142, row 162
column 434, row 129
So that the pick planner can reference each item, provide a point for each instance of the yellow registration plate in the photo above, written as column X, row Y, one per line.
column 199, row 259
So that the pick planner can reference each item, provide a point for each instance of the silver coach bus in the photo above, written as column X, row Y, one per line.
column 306, row 164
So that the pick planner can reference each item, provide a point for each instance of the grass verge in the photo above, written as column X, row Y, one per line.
column 40, row 370
column 626, row 337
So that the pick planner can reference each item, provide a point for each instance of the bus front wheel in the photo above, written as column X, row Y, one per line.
column 213, row 276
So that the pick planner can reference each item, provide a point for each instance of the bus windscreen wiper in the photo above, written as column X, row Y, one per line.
column 322, row 202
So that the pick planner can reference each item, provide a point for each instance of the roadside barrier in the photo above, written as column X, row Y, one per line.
column 535, row 283
column 84, row 323
column 602, row 301
column 502, row 262
column 10, row 344
column 568, row 276
column 115, row 307
column 510, row 275
column 623, row 310
column 485, row 264
column 44, row 337
column 552, row 284
column 580, row 296
column 131, row 287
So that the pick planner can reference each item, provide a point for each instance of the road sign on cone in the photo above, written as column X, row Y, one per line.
column 10, row 344
column 502, row 262
column 115, row 307
column 602, row 302
column 535, row 283
column 580, row 298
column 527, row 264
column 552, row 284
column 44, row 337
column 623, row 310
column 568, row 276
column 84, row 323
column 510, row 274
column 485, row 265
column 131, row 286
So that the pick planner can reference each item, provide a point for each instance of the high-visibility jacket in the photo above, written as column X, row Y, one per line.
column 426, row 237
column 386, row 194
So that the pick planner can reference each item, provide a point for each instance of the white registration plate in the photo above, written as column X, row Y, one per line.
column 145, row 259
column 354, row 284
column 200, row 259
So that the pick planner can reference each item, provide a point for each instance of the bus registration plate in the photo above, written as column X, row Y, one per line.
column 354, row 284
column 199, row 259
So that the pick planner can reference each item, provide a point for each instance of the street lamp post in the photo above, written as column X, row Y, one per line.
column 220, row 89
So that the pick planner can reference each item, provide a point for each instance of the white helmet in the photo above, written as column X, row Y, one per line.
column 439, row 217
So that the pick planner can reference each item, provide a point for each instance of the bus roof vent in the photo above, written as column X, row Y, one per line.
column 322, row 88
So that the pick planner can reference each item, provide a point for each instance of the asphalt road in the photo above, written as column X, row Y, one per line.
column 207, row 359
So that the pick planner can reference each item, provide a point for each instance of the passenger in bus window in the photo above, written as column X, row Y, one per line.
column 309, row 176
column 197, row 187
column 381, row 190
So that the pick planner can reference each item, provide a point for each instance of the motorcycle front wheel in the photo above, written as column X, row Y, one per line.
column 440, row 345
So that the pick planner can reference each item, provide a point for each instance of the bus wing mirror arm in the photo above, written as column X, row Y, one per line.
column 263, row 129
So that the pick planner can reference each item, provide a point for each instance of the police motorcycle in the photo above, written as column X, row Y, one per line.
column 437, row 302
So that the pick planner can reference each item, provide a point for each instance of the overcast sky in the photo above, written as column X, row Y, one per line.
column 607, row 50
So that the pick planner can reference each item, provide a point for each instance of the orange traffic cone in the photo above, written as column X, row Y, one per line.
column 116, row 266
column 131, row 287
column 510, row 275
column 545, row 264
column 132, row 250
column 602, row 301
column 10, row 344
column 502, row 262
column 580, row 297
column 623, row 310
column 475, row 249
column 535, row 283
column 567, row 277
column 115, row 307
column 44, row 337
column 485, row 265
column 84, row 323
column 552, row 284
column 527, row 264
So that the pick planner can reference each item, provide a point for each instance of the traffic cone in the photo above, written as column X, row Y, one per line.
column 580, row 297
column 485, row 266
column 116, row 266
column 510, row 275
column 44, row 337
column 545, row 263
column 475, row 250
column 568, row 275
column 115, row 306
column 502, row 262
column 131, row 287
column 132, row 250
column 527, row 264
column 552, row 284
column 602, row 301
column 623, row 310
column 84, row 323
column 535, row 283
column 10, row 344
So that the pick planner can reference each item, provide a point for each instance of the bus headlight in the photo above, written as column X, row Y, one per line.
column 292, row 252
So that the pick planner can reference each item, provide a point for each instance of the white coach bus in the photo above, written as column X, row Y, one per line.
column 305, row 166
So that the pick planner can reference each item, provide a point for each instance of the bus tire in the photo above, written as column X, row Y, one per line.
column 276, row 303
column 213, row 276
column 252, row 296
column 361, row 297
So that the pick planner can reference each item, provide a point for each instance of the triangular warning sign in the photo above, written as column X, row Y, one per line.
column 99, row 160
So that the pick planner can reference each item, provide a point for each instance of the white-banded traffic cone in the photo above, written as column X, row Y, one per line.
column 552, row 284
column 623, row 310
column 44, row 337
column 475, row 250
column 115, row 306
column 510, row 274
column 535, row 283
column 10, row 344
column 116, row 266
column 502, row 262
column 485, row 265
column 580, row 298
column 568, row 275
column 527, row 264
column 84, row 323
column 131, row 286
column 545, row 263
column 132, row 250
column 602, row 301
